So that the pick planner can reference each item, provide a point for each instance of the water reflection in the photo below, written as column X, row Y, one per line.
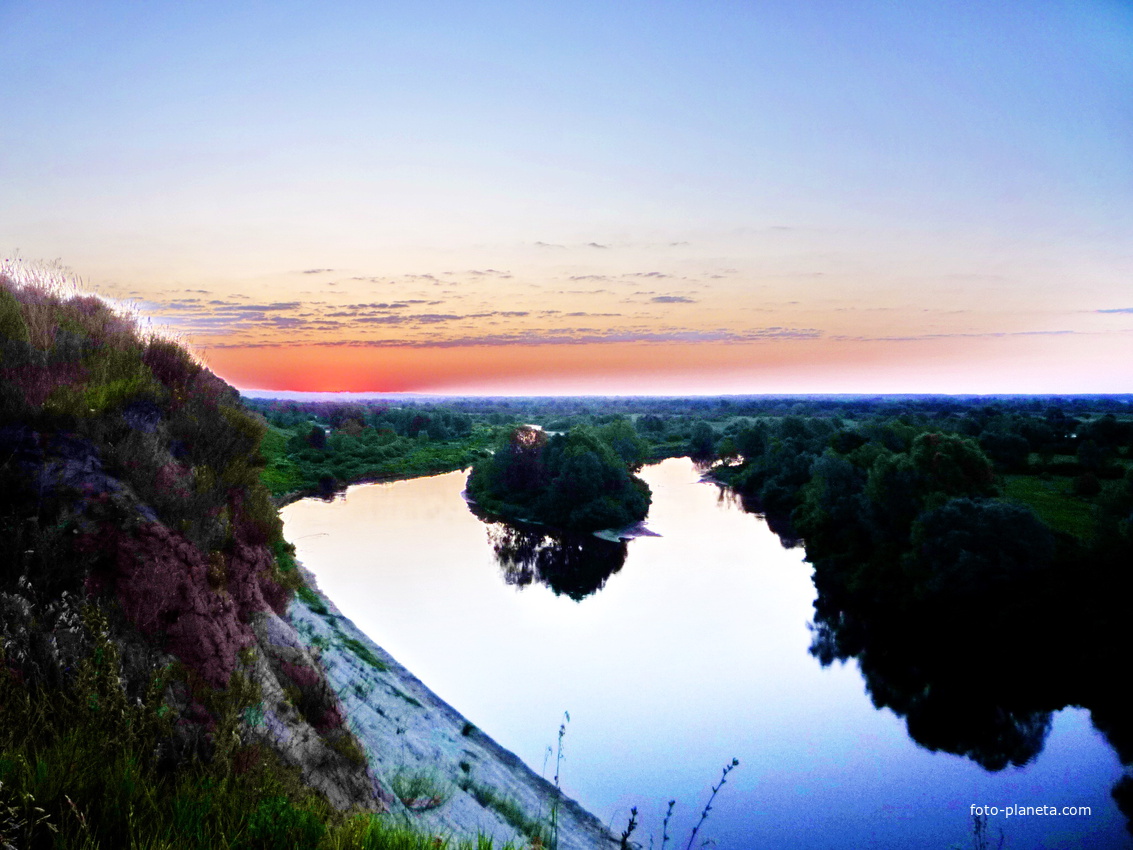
column 980, row 687
column 574, row 565
column 975, row 665
column 697, row 652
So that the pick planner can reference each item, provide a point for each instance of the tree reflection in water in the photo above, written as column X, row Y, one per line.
column 977, row 652
column 574, row 565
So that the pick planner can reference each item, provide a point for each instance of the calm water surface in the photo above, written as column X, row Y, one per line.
column 693, row 652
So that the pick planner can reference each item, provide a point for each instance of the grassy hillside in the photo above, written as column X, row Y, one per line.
column 141, row 564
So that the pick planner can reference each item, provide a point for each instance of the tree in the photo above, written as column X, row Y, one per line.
column 622, row 437
column 702, row 443
column 317, row 437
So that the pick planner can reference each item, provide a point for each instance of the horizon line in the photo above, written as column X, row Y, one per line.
column 320, row 395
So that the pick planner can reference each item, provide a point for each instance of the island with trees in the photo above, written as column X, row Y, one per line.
column 578, row 481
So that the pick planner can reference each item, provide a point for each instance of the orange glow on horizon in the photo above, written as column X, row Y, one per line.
column 1030, row 365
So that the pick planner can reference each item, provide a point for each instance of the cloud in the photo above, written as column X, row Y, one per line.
column 486, row 273
column 1116, row 310
column 672, row 299
column 595, row 245
column 275, row 305
column 573, row 336
column 959, row 335
column 316, row 271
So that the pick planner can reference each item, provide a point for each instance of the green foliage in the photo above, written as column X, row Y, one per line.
column 278, row 822
column 294, row 468
column 976, row 552
column 313, row 601
column 363, row 652
column 13, row 328
column 702, row 442
column 507, row 808
column 85, row 765
column 1054, row 503
column 575, row 481
column 920, row 567
column 420, row 791
column 622, row 437
column 347, row 746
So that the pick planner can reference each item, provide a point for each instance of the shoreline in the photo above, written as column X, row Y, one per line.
column 481, row 788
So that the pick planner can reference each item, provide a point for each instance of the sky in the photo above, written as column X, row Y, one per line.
column 610, row 198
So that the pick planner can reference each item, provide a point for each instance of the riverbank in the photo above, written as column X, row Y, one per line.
column 454, row 779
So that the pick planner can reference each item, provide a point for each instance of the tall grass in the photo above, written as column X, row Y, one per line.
column 85, row 765
column 535, row 829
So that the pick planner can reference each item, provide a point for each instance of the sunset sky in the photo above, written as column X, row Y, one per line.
column 590, row 197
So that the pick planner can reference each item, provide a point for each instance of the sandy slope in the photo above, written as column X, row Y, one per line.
column 406, row 728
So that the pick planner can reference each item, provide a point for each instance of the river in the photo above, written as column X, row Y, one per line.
column 692, row 653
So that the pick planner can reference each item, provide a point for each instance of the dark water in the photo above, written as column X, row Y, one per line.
column 674, row 654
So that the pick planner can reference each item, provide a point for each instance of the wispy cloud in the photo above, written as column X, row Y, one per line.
column 263, row 308
column 577, row 336
column 960, row 335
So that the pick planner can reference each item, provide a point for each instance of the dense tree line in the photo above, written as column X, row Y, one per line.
column 320, row 447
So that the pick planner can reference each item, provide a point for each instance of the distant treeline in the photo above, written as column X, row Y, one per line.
column 327, row 444
column 321, row 447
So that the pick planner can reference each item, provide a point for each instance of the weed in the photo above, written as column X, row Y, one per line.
column 728, row 768
column 630, row 827
column 406, row 697
column 420, row 791
column 320, row 642
column 979, row 834
column 665, row 824
column 553, row 843
column 508, row 809
column 277, row 822
column 312, row 601
column 365, row 653
column 347, row 746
